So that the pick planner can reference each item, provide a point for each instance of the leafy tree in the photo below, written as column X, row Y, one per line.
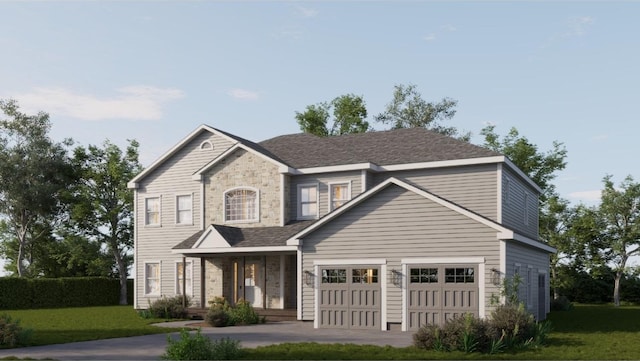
column 407, row 109
column 34, row 175
column 349, row 114
column 540, row 166
column 104, row 207
column 620, row 212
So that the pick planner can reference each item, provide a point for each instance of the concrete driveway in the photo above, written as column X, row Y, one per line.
column 150, row 347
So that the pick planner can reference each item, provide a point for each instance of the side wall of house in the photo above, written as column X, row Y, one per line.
column 473, row 187
column 153, row 243
column 530, row 264
column 243, row 169
column 396, row 224
column 520, row 205
column 354, row 178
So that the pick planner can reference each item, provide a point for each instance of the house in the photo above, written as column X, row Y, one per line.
column 383, row 229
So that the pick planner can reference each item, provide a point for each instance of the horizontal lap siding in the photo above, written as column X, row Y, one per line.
column 153, row 244
column 396, row 224
column 473, row 187
column 514, row 203
column 323, row 180
column 527, row 257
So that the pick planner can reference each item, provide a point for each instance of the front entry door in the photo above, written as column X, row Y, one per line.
column 252, row 282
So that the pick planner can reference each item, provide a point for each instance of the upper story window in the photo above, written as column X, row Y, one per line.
column 307, row 201
column 241, row 205
column 339, row 194
column 152, row 211
column 184, row 213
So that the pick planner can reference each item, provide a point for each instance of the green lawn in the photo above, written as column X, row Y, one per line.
column 587, row 333
column 62, row 325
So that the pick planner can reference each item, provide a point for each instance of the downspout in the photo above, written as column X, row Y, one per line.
column 264, row 282
column 184, row 281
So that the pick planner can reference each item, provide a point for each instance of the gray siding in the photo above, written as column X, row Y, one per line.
column 514, row 205
column 396, row 224
column 154, row 243
column 530, row 260
column 323, row 180
column 473, row 187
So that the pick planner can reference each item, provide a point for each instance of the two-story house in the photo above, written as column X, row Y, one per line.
column 401, row 227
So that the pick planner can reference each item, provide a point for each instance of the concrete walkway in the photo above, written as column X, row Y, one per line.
column 151, row 347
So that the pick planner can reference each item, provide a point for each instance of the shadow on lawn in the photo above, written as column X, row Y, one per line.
column 596, row 318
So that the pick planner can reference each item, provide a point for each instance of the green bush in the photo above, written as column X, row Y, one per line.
column 244, row 314
column 218, row 318
column 221, row 314
column 561, row 303
column 169, row 307
column 428, row 337
column 514, row 322
column 11, row 333
column 199, row 347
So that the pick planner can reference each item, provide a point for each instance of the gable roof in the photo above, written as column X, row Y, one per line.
column 503, row 233
column 225, row 239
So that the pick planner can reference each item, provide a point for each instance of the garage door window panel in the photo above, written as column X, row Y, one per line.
column 459, row 275
column 364, row 276
column 424, row 275
column 334, row 275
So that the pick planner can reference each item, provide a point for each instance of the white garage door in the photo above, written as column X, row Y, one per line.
column 437, row 293
column 349, row 297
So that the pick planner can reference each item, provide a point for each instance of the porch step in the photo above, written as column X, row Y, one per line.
column 289, row 314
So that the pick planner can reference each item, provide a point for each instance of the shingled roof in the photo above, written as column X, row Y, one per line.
column 250, row 237
column 400, row 146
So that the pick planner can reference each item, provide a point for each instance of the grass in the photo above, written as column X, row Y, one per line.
column 62, row 325
column 588, row 332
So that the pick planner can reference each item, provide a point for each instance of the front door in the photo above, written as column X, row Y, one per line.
column 252, row 283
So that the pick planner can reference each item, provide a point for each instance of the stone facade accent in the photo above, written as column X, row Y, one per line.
column 243, row 169
column 216, row 271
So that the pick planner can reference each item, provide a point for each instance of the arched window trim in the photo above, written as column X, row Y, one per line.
column 225, row 215
column 206, row 145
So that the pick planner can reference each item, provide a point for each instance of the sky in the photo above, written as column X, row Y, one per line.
column 154, row 71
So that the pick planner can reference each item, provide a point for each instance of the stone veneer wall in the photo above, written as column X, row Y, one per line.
column 244, row 169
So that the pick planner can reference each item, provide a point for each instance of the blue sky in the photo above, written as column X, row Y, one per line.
column 155, row 70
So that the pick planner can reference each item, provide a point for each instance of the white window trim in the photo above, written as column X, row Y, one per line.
column 224, row 205
column 146, row 219
column 299, row 202
column 176, row 281
column 330, row 195
column 144, row 274
column 177, row 210
column 206, row 145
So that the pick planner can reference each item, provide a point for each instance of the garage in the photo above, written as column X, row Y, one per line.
column 349, row 297
column 437, row 293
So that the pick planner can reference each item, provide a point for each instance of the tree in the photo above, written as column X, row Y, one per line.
column 407, row 109
column 540, row 166
column 349, row 114
column 620, row 212
column 35, row 173
column 104, row 207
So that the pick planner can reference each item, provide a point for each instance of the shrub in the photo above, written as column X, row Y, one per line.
column 11, row 333
column 561, row 303
column 169, row 307
column 244, row 314
column 217, row 317
column 514, row 322
column 427, row 337
column 199, row 347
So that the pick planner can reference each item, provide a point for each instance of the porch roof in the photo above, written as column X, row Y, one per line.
column 248, row 237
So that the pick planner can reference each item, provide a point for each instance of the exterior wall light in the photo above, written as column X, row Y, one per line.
column 496, row 277
column 396, row 277
column 308, row 278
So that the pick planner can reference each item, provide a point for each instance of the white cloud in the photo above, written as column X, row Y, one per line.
column 578, row 25
column 430, row 37
column 600, row 138
column 449, row 28
column 586, row 196
column 137, row 102
column 243, row 94
column 306, row 12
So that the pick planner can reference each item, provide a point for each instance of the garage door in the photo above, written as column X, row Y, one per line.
column 437, row 293
column 349, row 297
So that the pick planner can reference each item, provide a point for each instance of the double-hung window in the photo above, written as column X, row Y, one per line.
column 184, row 275
column 184, row 209
column 307, row 201
column 152, row 278
column 241, row 205
column 339, row 194
column 152, row 211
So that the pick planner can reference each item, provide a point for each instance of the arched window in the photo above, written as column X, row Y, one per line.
column 241, row 205
column 206, row 145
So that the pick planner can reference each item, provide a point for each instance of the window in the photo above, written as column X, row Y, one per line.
column 180, row 275
column 459, row 275
column 206, row 145
column 152, row 209
column 424, row 275
column 366, row 275
column 241, row 205
column 307, row 201
column 339, row 194
column 152, row 278
column 183, row 210
column 334, row 275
